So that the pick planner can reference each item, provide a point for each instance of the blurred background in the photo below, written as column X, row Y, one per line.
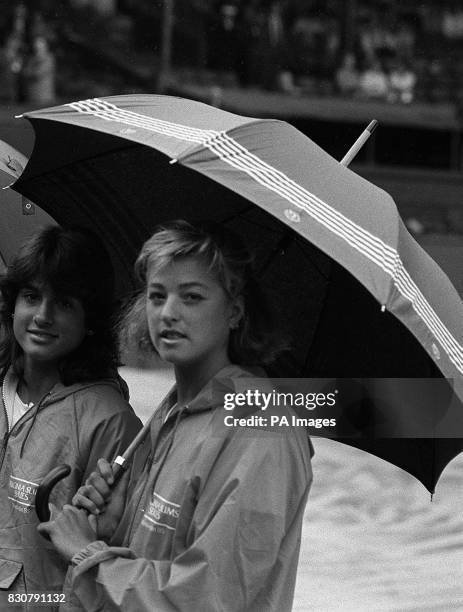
column 328, row 67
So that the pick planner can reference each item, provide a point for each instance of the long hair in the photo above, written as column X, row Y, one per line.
column 253, row 342
column 73, row 262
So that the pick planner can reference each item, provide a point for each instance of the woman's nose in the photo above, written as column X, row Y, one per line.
column 44, row 313
column 170, row 309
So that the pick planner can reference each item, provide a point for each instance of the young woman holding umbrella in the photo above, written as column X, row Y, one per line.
column 62, row 398
column 210, row 517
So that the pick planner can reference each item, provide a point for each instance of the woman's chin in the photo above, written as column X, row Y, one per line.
column 171, row 356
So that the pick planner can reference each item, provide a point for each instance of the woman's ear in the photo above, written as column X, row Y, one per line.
column 237, row 312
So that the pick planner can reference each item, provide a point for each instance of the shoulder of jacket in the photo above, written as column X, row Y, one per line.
column 102, row 392
column 106, row 398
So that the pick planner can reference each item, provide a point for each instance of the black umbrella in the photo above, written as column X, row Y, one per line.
column 353, row 291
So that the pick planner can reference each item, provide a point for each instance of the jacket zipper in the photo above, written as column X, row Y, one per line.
column 10, row 429
column 4, row 442
column 4, row 408
column 7, row 433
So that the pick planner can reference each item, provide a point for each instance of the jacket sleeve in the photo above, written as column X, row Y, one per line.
column 107, row 426
column 242, row 543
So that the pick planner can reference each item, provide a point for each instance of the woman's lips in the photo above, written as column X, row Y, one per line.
column 171, row 334
column 171, row 337
column 41, row 335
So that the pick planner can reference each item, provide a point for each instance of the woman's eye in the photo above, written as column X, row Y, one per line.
column 192, row 297
column 30, row 297
column 155, row 296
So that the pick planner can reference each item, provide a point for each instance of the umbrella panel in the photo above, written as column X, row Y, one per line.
column 17, row 223
column 355, row 338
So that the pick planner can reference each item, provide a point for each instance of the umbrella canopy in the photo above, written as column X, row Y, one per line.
column 447, row 251
column 353, row 291
column 19, row 217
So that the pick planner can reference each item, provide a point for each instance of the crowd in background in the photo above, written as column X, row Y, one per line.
column 27, row 65
column 396, row 52
column 390, row 53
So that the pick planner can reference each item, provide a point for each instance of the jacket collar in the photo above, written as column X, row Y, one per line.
column 212, row 394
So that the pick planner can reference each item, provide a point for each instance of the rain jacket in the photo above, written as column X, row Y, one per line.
column 213, row 521
column 75, row 424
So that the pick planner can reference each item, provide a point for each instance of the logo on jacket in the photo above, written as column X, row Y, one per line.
column 22, row 494
column 161, row 514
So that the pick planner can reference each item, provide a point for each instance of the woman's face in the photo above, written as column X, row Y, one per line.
column 189, row 314
column 47, row 326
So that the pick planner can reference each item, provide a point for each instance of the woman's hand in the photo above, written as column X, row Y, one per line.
column 104, row 504
column 95, row 493
column 69, row 530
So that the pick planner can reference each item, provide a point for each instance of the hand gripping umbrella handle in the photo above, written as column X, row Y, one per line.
column 58, row 473
column 119, row 466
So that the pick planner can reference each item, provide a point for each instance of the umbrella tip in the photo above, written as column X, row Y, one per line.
column 383, row 308
column 371, row 127
column 173, row 161
column 18, row 116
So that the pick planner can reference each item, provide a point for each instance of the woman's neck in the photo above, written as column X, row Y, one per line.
column 37, row 379
column 191, row 379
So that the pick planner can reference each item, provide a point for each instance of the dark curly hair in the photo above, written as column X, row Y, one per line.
column 254, row 341
column 74, row 263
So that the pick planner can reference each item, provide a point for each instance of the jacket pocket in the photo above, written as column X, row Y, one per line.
column 9, row 571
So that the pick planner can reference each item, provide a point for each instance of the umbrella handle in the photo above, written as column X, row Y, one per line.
column 46, row 487
column 54, row 476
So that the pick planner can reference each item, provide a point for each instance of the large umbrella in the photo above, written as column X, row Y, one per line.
column 353, row 291
column 19, row 217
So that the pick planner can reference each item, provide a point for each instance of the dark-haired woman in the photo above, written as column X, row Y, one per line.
column 62, row 400
column 211, row 520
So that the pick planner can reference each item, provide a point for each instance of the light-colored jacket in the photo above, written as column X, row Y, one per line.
column 75, row 424
column 213, row 521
